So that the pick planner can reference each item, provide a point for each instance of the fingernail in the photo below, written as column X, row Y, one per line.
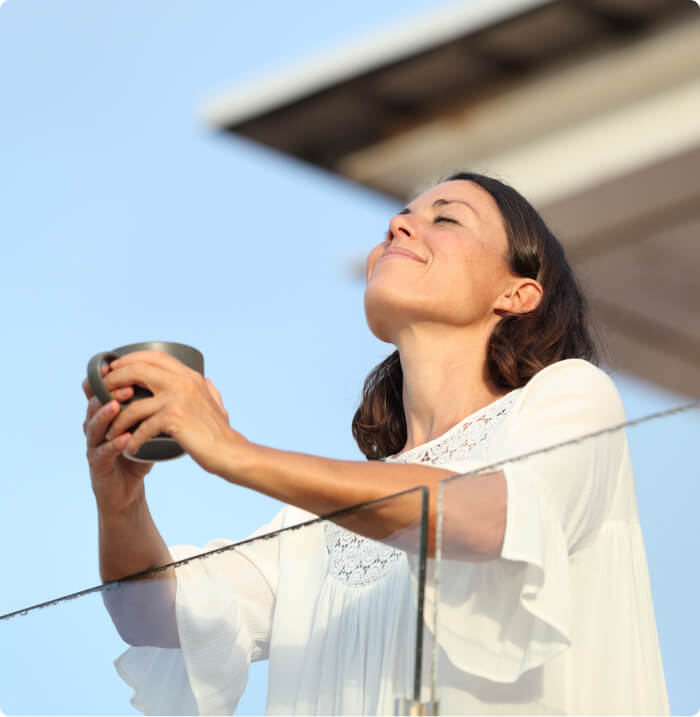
column 114, row 363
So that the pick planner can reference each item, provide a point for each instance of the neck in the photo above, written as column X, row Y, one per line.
column 445, row 379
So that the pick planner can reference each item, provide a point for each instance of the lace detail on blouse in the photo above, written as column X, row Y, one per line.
column 355, row 560
column 459, row 442
column 358, row 561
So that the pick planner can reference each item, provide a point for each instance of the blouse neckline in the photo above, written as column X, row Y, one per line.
column 472, row 416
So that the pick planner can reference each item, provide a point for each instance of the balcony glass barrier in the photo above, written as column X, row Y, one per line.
column 334, row 604
column 566, row 573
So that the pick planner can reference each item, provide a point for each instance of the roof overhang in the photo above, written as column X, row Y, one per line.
column 589, row 107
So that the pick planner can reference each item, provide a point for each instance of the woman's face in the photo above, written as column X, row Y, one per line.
column 444, row 261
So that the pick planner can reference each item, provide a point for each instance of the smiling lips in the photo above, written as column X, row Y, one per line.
column 397, row 251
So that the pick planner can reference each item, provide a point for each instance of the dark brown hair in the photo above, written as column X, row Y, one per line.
column 520, row 344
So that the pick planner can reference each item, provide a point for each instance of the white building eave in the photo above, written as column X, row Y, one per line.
column 268, row 92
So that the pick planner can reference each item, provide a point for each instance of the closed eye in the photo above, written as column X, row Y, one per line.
column 442, row 218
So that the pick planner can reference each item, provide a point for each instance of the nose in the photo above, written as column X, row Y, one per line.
column 400, row 226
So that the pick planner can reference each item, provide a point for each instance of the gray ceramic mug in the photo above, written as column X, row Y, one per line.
column 162, row 447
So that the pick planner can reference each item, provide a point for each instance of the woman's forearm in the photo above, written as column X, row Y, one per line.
column 130, row 543
column 143, row 610
column 324, row 485
column 192, row 413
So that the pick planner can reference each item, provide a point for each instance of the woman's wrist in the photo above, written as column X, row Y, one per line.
column 131, row 512
column 235, row 458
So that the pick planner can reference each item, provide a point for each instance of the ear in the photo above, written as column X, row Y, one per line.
column 522, row 295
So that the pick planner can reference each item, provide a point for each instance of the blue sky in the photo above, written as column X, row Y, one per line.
column 123, row 218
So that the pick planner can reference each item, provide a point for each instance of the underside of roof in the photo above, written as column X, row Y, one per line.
column 589, row 107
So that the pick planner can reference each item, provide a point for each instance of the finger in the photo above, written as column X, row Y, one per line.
column 97, row 426
column 154, row 358
column 140, row 374
column 94, row 404
column 110, row 450
column 134, row 413
column 87, row 388
column 150, row 428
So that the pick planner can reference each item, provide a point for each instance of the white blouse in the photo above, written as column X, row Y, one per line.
column 561, row 623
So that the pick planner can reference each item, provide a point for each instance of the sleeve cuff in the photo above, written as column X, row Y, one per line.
column 209, row 672
column 501, row 618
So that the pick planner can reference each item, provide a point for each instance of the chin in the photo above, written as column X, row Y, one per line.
column 386, row 312
column 375, row 323
column 380, row 331
column 378, row 310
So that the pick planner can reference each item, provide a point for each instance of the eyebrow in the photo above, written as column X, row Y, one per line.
column 442, row 202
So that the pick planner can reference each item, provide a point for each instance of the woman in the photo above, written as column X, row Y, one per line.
column 548, row 604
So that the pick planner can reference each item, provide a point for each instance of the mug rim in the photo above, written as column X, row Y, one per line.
column 132, row 347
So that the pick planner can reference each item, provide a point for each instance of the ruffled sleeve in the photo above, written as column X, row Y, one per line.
column 224, row 608
column 501, row 618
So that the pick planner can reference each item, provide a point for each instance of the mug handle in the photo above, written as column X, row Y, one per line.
column 94, row 375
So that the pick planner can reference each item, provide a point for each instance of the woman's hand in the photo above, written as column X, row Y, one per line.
column 116, row 481
column 185, row 405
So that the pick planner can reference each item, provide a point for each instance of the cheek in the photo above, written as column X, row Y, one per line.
column 496, row 268
column 469, row 276
column 483, row 261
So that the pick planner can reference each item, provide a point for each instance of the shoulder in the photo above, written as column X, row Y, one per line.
column 574, row 386
column 570, row 371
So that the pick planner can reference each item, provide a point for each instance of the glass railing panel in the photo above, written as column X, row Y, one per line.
column 333, row 605
column 667, row 475
column 566, row 576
